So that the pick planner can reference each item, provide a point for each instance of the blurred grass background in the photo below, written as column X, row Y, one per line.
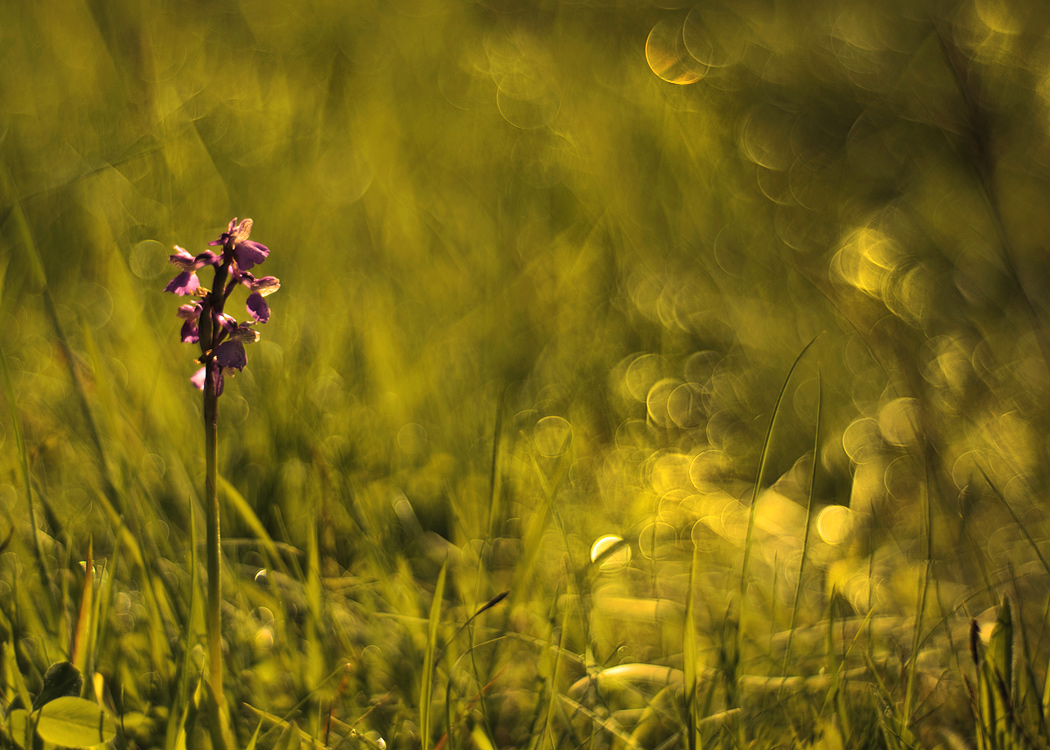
column 545, row 268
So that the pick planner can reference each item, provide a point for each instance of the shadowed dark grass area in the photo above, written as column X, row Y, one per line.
column 545, row 268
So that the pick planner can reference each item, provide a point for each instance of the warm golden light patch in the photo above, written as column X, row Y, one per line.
column 668, row 56
column 834, row 524
column 614, row 560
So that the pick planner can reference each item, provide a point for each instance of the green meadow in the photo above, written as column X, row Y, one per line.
column 643, row 374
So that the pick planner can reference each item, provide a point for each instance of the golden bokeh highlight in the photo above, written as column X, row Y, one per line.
column 667, row 54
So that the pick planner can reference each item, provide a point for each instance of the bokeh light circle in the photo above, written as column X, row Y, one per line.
column 552, row 436
column 667, row 55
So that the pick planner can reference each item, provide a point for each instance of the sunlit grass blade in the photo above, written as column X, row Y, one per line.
column 912, row 666
column 315, row 652
column 1020, row 526
column 741, row 619
column 797, row 599
column 600, row 722
column 85, row 624
column 32, row 253
column 244, row 509
column 429, row 666
column 288, row 727
column 23, row 463
column 757, row 488
column 690, row 656
column 449, row 737
column 255, row 735
column 179, row 716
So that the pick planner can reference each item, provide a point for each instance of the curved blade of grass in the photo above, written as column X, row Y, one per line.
column 690, row 656
column 85, row 623
column 178, row 716
column 429, row 663
column 23, row 460
column 761, row 472
column 251, row 519
column 601, row 722
column 33, row 255
column 805, row 536
column 763, row 459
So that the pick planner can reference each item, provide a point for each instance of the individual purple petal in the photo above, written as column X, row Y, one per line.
column 191, row 334
column 245, row 334
column 225, row 235
column 249, row 254
column 183, row 284
column 189, row 312
column 198, row 378
column 207, row 258
column 240, row 232
column 258, row 308
column 183, row 260
column 228, row 322
column 231, row 354
column 265, row 286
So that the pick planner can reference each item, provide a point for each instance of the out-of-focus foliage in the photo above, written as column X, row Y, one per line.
column 545, row 267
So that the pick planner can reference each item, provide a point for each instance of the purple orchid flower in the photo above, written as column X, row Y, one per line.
column 187, row 281
column 229, row 355
column 191, row 332
column 256, row 305
column 245, row 252
column 220, row 336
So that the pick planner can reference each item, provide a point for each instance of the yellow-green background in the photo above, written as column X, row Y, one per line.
column 587, row 238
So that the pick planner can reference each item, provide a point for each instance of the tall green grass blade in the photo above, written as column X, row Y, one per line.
column 600, row 722
column 494, row 511
column 997, row 670
column 757, row 488
column 912, row 666
column 315, row 606
column 429, row 666
column 554, row 652
column 251, row 519
column 32, row 253
column 691, row 658
column 797, row 600
column 741, row 623
column 1020, row 526
column 106, row 592
column 255, row 735
column 178, row 716
column 85, row 622
column 23, row 463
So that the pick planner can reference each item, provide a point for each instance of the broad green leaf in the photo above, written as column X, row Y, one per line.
column 75, row 722
column 62, row 679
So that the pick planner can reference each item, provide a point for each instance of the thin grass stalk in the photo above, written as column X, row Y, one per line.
column 429, row 660
column 23, row 461
column 690, row 667
column 805, row 536
column 917, row 640
column 763, row 459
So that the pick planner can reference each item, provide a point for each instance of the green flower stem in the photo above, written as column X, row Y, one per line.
column 211, row 491
column 219, row 727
